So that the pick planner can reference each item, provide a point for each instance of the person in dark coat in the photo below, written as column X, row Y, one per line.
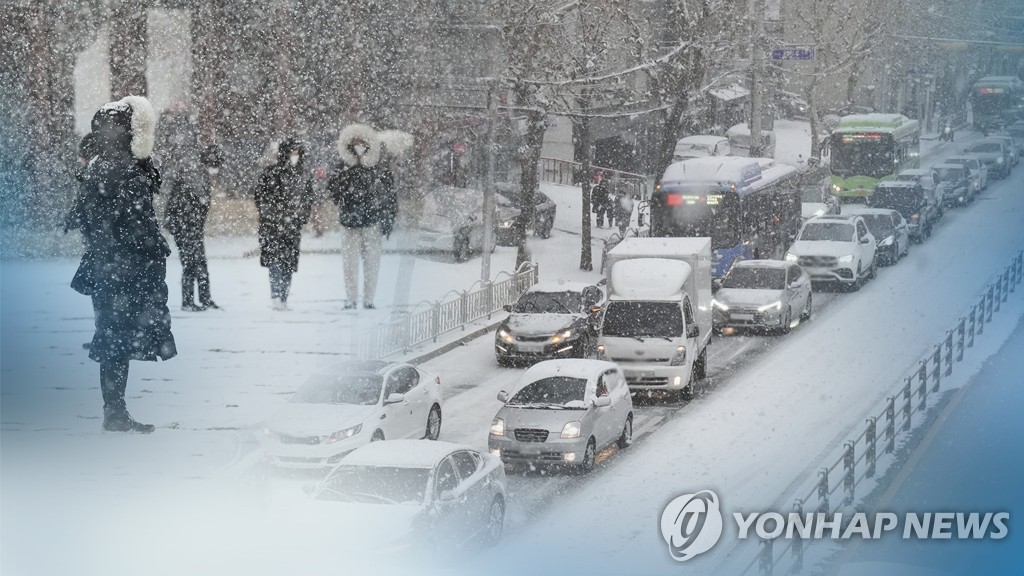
column 73, row 219
column 364, row 190
column 601, row 200
column 124, row 268
column 284, row 197
column 187, row 205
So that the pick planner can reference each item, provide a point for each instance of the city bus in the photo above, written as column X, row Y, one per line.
column 749, row 207
column 869, row 148
column 997, row 100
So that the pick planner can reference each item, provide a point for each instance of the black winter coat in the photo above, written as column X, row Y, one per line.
column 186, row 212
column 124, row 267
column 284, row 197
column 365, row 196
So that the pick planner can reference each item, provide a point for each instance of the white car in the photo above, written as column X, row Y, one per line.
column 338, row 411
column 767, row 294
column 836, row 248
column 563, row 412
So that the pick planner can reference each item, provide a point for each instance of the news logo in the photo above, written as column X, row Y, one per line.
column 691, row 524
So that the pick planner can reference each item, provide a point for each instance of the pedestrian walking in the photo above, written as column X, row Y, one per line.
column 599, row 197
column 363, row 188
column 73, row 219
column 284, row 197
column 188, row 204
column 623, row 211
column 124, row 268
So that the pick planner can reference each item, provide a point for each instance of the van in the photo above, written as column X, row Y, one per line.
column 739, row 141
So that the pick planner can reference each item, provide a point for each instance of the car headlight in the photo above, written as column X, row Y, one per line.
column 790, row 257
column 886, row 242
column 846, row 259
column 719, row 305
column 773, row 307
column 341, row 434
column 571, row 430
column 505, row 335
column 506, row 223
column 837, row 188
column 561, row 336
column 497, row 427
column 679, row 358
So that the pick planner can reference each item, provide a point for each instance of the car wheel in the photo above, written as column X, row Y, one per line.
column 583, row 347
column 504, row 362
column 627, row 433
column 495, row 522
column 433, row 423
column 461, row 249
column 857, row 280
column 873, row 270
column 787, row 320
column 806, row 314
column 686, row 394
column 700, row 367
column 589, row 455
column 378, row 435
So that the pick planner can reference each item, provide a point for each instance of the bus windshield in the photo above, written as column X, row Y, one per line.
column 862, row 155
column 695, row 214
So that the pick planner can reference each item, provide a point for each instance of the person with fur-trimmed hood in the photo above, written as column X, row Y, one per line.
column 284, row 197
column 363, row 188
column 124, row 269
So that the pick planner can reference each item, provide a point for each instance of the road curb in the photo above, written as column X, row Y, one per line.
column 427, row 356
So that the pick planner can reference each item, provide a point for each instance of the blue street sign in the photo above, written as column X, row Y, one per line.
column 793, row 53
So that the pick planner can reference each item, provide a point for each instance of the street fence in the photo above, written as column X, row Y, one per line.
column 834, row 487
column 453, row 311
column 567, row 173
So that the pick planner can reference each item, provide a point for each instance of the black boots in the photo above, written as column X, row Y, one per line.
column 113, row 381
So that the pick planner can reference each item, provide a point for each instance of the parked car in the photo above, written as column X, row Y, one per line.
column 928, row 179
column 955, row 183
column 890, row 229
column 835, row 249
column 791, row 106
column 910, row 200
column 510, row 196
column 994, row 154
column 976, row 170
column 452, row 221
column 701, row 146
column 551, row 320
column 1013, row 145
column 762, row 294
column 563, row 412
column 412, row 495
column 1016, row 130
column 346, row 407
column 739, row 141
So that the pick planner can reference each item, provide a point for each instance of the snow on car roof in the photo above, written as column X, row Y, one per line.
column 916, row 172
column 558, row 286
column 896, row 184
column 760, row 264
column 701, row 139
column 401, row 453
column 649, row 278
column 571, row 367
column 865, row 211
column 736, row 169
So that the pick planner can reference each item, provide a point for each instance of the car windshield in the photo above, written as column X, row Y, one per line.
column 950, row 174
column 829, row 231
column 987, row 147
column 642, row 319
column 880, row 225
column 361, row 389
column 755, row 278
column 862, row 155
column 567, row 302
column 376, row 485
column 554, row 392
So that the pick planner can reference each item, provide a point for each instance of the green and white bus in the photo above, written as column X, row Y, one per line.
column 869, row 148
column 997, row 100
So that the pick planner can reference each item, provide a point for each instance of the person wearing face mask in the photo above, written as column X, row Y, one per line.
column 284, row 196
column 363, row 188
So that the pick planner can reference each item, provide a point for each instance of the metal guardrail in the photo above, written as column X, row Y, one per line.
column 557, row 171
column 453, row 311
column 858, row 457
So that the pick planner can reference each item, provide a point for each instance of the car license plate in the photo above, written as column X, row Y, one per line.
column 744, row 317
column 531, row 348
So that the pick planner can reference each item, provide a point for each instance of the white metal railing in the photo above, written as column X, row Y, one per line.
column 453, row 311
column 557, row 171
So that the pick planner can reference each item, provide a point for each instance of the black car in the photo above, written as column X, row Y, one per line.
column 911, row 201
column 954, row 181
column 552, row 320
column 543, row 213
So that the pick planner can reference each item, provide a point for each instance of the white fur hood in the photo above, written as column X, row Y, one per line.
column 143, row 125
column 367, row 134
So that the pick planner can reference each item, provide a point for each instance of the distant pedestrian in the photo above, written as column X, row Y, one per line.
column 601, row 200
column 124, row 268
column 623, row 211
column 363, row 188
column 188, row 204
column 284, row 196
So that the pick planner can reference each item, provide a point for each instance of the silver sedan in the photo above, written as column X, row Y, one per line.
column 767, row 294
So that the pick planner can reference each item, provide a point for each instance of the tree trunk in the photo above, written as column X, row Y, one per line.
column 812, row 105
column 528, row 161
column 128, row 46
column 582, row 139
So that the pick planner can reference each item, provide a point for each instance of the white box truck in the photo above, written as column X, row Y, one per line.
column 657, row 321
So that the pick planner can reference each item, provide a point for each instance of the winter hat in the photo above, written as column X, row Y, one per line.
column 396, row 143
column 354, row 133
column 131, row 118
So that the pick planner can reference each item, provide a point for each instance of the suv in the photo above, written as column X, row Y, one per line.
column 1012, row 145
column 911, row 201
column 836, row 248
column 994, row 154
column 954, row 184
column 928, row 179
column 551, row 320
column 977, row 173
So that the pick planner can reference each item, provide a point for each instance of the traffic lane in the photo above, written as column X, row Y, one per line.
column 970, row 460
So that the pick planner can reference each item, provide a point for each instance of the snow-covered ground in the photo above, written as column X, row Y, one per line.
column 183, row 500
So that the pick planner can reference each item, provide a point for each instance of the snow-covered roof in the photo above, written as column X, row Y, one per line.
column 649, row 279
column 730, row 92
column 659, row 247
column 775, row 264
column 559, row 286
column 916, row 172
column 571, row 367
column 865, row 211
column 701, row 140
column 725, row 169
column 402, row 453
column 897, row 124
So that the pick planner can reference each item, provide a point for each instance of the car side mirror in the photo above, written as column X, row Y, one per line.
column 507, row 308
column 693, row 331
column 865, row 240
column 394, row 398
column 503, row 396
column 602, row 402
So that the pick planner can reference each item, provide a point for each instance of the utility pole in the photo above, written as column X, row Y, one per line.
column 757, row 75
column 492, row 121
